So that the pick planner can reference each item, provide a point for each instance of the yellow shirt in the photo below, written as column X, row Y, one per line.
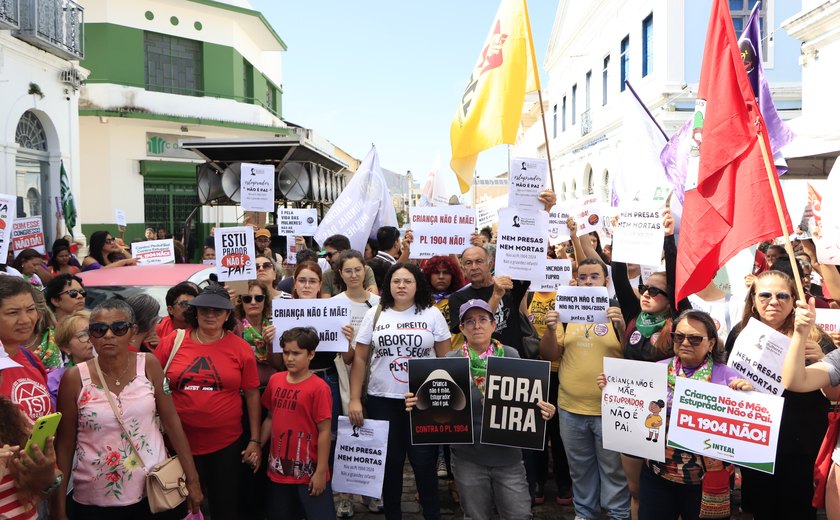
column 541, row 303
column 582, row 362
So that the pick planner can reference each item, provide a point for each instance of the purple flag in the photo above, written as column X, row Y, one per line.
column 777, row 130
column 674, row 158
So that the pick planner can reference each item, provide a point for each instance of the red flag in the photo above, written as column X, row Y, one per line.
column 732, row 206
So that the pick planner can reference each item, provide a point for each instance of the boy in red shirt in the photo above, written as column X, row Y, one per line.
column 298, row 461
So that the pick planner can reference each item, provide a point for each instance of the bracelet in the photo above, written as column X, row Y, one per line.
column 256, row 441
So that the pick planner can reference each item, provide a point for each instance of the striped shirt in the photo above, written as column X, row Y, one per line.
column 10, row 507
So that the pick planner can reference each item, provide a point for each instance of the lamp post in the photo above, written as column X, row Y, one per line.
column 410, row 195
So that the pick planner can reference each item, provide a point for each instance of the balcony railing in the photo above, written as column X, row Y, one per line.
column 9, row 14
column 56, row 26
column 585, row 122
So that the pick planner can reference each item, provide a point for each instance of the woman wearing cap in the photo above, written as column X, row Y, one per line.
column 105, row 454
column 404, row 324
column 486, row 475
column 206, row 375
column 105, row 252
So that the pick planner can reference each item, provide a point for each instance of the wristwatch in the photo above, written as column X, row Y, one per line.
column 59, row 478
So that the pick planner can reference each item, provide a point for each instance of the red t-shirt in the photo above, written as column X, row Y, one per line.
column 296, row 409
column 164, row 327
column 27, row 386
column 206, row 380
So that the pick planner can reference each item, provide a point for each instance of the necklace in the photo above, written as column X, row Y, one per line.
column 117, row 379
column 198, row 337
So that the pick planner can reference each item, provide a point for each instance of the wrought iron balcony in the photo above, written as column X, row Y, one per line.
column 585, row 122
column 9, row 14
column 56, row 26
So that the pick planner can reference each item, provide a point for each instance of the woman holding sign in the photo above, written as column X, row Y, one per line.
column 405, row 325
column 684, row 483
column 787, row 493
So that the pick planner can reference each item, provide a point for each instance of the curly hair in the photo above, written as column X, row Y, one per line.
column 239, row 310
column 14, row 429
column 448, row 264
column 312, row 266
column 422, row 297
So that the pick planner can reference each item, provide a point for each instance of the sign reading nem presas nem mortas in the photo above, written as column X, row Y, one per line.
column 511, row 391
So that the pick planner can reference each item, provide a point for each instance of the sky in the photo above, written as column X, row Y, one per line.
column 389, row 73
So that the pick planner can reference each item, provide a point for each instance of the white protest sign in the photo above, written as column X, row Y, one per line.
column 648, row 270
column 728, row 425
column 235, row 253
column 558, row 231
column 758, row 355
column 557, row 273
column 441, row 230
column 638, row 237
column 300, row 222
column 8, row 207
column 256, row 187
column 527, row 178
column 582, row 304
column 359, row 466
column 291, row 251
column 120, row 218
column 828, row 320
column 828, row 242
column 28, row 233
column 154, row 252
column 487, row 212
column 326, row 315
column 587, row 213
column 633, row 411
column 522, row 244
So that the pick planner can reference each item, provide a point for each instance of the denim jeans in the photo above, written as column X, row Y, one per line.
column 423, row 460
column 292, row 500
column 597, row 476
column 481, row 487
column 330, row 376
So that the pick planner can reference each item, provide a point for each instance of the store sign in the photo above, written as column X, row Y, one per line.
column 166, row 145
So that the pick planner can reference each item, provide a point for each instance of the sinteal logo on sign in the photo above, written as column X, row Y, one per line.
column 166, row 145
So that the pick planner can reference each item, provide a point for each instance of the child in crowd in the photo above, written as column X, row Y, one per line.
column 298, row 461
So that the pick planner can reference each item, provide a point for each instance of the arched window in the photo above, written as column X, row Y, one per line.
column 30, row 133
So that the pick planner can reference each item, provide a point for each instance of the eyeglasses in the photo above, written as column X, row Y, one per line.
column 472, row 322
column 82, row 336
column 259, row 298
column 264, row 266
column 99, row 329
column 693, row 340
column 183, row 304
column 402, row 281
column 74, row 293
column 308, row 281
column 109, row 240
column 351, row 271
column 765, row 297
column 653, row 291
column 594, row 277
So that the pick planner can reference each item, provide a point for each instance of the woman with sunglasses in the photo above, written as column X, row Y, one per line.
column 254, row 313
column 105, row 458
column 267, row 275
column 65, row 294
column 674, row 489
column 788, row 492
column 207, row 375
column 105, row 252
column 406, row 315
column 73, row 341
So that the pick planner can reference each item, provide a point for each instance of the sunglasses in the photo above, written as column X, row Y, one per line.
column 99, row 329
column 183, row 304
column 693, row 340
column 764, row 297
column 653, row 291
column 74, row 293
column 259, row 298
column 264, row 265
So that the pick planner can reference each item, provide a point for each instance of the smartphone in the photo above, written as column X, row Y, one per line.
column 44, row 427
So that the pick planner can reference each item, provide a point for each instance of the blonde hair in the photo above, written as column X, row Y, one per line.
column 66, row 330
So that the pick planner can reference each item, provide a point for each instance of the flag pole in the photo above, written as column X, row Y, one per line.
column 539, row 90
column 768, row 166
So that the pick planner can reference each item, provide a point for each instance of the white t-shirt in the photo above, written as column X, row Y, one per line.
column 724, row 311
column 398, row 337
column 358, row 310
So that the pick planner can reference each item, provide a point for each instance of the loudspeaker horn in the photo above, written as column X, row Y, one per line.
column 293, row 181
column 209, row 183
column 231, row 181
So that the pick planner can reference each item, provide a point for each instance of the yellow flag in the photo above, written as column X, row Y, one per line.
column 491, row 106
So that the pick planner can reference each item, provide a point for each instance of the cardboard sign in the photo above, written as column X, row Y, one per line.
column 558, row 231
column 28, row 233
column 8, row 206
column 441, row 230
column 297, row 222
column 120, row 218
column 256, row 187
column 582, row 304
column 758, row 354
column 633, row 411
column 511, row 416
column 326, row 315
column 587, row 215
column 522, row 244
column 828, row 320
column 527, row 178
column 360, row 451
column 716, row 421
column 557, row 273
column 443, row 414
column 154, row 252
column 638, row 237
column 235, row 253
column 487, row 212
column 291, row 251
